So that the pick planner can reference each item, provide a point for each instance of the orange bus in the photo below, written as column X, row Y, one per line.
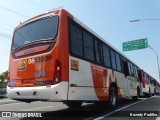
column 156, row 87
column 55, row 57
column 150, row 85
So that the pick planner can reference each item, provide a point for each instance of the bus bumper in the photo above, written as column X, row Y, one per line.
column 57, row 92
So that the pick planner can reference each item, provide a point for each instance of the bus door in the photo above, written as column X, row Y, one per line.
column 141, row 83
column 127, row 78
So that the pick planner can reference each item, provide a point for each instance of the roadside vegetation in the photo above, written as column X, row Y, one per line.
column 3, row 82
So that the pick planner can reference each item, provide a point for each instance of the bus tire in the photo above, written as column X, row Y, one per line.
column 145, row 94
column 149, row 93
column 74, row 104
column 113, row 97
column 154, row 92
column 138, row 92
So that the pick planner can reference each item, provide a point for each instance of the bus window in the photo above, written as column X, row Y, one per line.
column 151, row 80
column 136, row 71
column 125, row 67
column 76, row 40
column 113, row 60
column 145, row 77
column 39, row 30
column 118, row 62
column 131, row 67
column 139, row 75
column 106, row 55
column 99, row 55
column 88, row 46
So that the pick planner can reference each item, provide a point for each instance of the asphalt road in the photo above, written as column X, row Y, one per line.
column 88, row 111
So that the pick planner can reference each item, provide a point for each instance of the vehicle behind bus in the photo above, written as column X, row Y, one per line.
column 150, row 85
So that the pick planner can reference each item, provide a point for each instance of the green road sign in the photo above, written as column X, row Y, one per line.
column 135, row 44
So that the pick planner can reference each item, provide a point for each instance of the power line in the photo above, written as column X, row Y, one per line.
column 6, row 35
column 12, row 11
column 6, row 41
column 33, row 3
column 6, row 29
column 4, row 52
column 6, row 32
column 6, row 24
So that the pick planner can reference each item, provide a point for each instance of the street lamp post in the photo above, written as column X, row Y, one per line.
column 137, row 20
column 157, row 59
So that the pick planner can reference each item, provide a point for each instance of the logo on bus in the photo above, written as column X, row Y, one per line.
column 22, row 65
column 74, row 65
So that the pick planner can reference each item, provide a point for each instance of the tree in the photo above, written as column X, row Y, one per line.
column 4, row 75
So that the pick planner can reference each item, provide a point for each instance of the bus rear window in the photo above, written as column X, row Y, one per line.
column 41, row 29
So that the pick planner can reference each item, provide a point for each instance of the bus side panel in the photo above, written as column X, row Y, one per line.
column 80, row 80
column 100, row 75
column 91, row 82
column 120, row 80
column 103, row 78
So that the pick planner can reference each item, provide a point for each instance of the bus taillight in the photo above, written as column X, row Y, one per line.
column 57, row 72
column 8, row 79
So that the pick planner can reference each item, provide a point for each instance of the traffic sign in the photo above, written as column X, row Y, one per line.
column 135, row 44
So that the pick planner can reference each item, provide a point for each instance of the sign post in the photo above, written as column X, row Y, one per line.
column 135, row 44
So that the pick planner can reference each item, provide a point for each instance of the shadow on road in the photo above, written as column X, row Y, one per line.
column 86, row 111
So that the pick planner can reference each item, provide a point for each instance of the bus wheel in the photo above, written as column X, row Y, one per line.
column 154, row 92
column 149, row 94
column 112, row 97
column 74, row 104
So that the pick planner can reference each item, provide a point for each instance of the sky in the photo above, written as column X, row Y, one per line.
column 108, row 18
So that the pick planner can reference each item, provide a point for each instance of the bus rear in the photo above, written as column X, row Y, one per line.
column 37, row 61
column 147, row 82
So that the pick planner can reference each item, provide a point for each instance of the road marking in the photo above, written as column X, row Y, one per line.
column 38, row 108
column 108, row 114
